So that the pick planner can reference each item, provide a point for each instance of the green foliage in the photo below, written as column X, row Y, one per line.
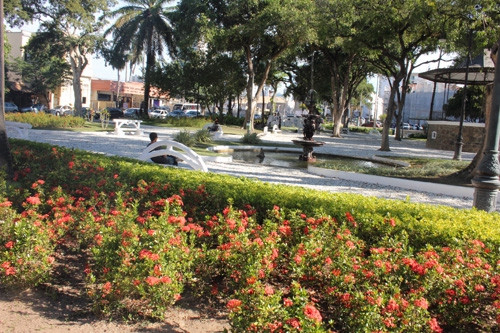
column 185, row 137
column 251, row 138
column 44, row 67
column 473, row 104
column 361, row 129
column 26, row 253
column 43, row 120
column 202, row 136
column 181, row 121
column 232, row 120
column 278, row 256
column 149, row 261
column 141, row 29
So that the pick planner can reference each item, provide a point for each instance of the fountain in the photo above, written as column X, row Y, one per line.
column 310, row 123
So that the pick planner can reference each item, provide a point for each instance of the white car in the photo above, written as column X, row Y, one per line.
column 158, row 114
column 62, row 111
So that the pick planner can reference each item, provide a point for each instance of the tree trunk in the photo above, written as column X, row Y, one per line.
column 388, row 120
column 468, row 172
column 118, row 87
column 251, row 79
column 78, row 63
column 150, row 62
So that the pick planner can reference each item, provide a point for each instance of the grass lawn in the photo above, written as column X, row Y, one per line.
column 423, row 169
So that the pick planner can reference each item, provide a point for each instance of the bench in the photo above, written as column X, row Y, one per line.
column 21, row 129
column 135, row 126
column 183, row 153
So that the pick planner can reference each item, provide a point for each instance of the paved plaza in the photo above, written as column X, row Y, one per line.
column 352, row 144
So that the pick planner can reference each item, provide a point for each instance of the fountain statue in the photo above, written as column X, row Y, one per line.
column 310, row 123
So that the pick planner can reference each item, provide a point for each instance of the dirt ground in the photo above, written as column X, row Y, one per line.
column 37, row 311
column 58, row 306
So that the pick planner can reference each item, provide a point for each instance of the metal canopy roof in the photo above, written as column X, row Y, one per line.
column 477, row 75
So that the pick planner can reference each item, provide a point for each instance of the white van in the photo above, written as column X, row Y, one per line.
column 187, row 106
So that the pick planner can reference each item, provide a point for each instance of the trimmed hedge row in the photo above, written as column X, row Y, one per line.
column 426, row 224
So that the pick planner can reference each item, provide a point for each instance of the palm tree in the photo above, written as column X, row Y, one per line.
column 142, row 26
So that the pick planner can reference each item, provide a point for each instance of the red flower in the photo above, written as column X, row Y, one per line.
column 152, row 280
column 389, row 322
column 421, row 303
column 98, row 239
column 294, row 322
column 268, row 290
column 166, row 279
column 33, row 200
column 287, row 302
column 479, row 287
column 433, row 323
column 298, row 259
column 233, row 304
column 106, row 289
column 312, row 313
column 10, row 271
column 9, row 244
column 71, row 164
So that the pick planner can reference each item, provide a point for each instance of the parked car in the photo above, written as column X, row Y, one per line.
column 192, row 113
column 131, row 113
column 112, row 112
column 177, row 113
column 115, row 113
column 370, row 124
column 10, row 107
column 34, row 108
column 62, row 110
column 158, row 114
column 406, row 126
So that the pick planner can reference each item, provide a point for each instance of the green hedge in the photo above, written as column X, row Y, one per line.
column 426, row 224
column 43, row 120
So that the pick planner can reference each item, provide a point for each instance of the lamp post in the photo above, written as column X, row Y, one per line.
column 460, row 139
column 486, row 180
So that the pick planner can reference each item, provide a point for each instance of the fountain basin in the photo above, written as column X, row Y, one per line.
column 307, row 149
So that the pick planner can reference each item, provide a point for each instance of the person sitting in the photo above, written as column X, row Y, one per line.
column 215, row 127
column 163, row 159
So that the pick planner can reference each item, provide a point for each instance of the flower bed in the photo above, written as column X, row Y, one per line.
column 277, row 268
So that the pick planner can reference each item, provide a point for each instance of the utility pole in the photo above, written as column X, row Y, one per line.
column 486, row 181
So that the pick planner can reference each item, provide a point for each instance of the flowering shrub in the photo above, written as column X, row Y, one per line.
column 141, row 262
column 25, row 248
column 277, row 270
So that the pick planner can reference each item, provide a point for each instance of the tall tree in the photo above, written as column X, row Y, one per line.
column 345, row 59
column 397, row 33
column 263, row 30
column 142, row 26
column 80, row 29
column 44, row 67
